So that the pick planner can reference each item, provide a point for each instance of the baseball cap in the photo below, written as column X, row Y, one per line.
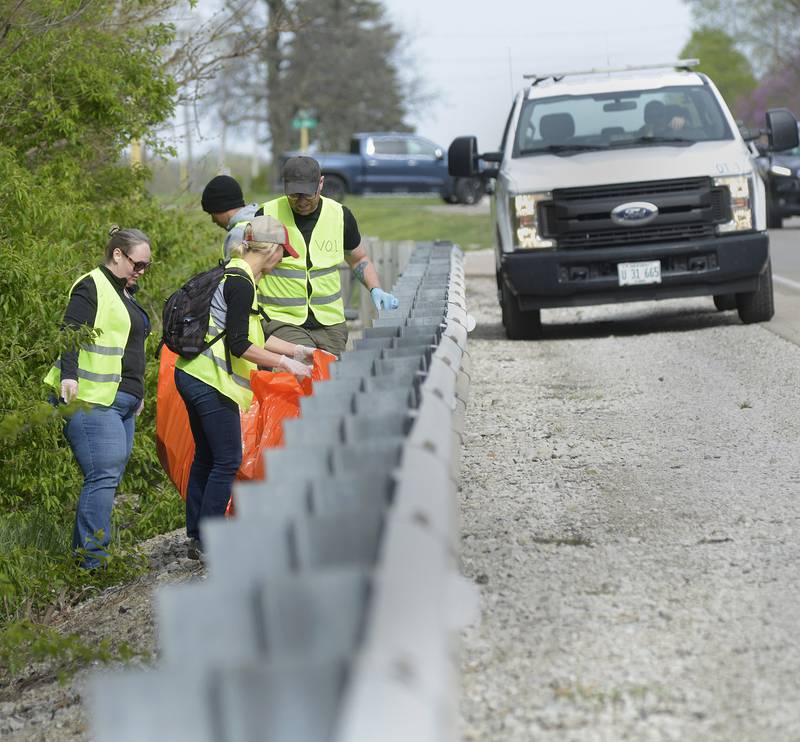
column 300, row 175
column 268, row 229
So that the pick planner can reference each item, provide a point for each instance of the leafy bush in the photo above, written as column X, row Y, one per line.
column 77, row 88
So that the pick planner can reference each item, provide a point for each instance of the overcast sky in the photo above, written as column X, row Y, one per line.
column 473, row 60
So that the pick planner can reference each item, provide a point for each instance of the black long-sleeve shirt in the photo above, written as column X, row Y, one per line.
column 82, row 310
column 238, row 294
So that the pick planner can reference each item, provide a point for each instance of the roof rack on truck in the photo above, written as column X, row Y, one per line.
column 680, row 64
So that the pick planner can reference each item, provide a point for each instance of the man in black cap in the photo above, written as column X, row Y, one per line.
column 303, row 295
column 222, row 198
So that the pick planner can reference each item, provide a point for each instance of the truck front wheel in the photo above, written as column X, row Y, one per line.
column 724, row 302
column 519, row 324
column 758, row 305
column 334, row 187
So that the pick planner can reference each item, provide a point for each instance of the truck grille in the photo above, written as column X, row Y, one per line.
column 688, row 208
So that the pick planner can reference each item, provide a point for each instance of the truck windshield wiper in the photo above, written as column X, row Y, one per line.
column 652, row 140
column 564, row 149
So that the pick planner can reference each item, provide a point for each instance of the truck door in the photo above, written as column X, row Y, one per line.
column 386, row 164
column 426, row 164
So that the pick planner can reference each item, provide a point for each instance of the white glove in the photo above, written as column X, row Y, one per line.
column 303, row 353
column 69, row 389
column 300, row 370
column 139, row 409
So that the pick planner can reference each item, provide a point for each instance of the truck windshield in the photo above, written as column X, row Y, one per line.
column 569, row 124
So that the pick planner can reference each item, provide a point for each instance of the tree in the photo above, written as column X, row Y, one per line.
column 768, row 31
column 340, row 58
column 779, row 89
column 726, row 65
column 341, row 63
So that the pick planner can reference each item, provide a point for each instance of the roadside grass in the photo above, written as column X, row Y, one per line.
column 391, row 218
column 420, row 219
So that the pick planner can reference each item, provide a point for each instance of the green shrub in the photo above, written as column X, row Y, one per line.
column 77, row 88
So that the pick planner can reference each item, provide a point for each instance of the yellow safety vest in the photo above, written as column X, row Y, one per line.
column 100, row 362
column 211, row 366
column 283, row 293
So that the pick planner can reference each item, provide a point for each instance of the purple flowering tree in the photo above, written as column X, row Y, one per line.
column 780, row 89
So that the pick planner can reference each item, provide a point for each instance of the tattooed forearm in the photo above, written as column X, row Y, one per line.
column 359, row 270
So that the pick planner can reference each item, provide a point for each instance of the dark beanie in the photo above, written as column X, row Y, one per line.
column 221, row 194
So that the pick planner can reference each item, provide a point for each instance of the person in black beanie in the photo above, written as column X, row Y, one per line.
column 222, row 198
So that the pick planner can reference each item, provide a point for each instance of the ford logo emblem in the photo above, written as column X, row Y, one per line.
column 634, row 214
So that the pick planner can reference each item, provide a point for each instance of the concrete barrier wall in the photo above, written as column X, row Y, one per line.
column 331, row 599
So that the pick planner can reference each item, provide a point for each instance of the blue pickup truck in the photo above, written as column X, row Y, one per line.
column 393, row 162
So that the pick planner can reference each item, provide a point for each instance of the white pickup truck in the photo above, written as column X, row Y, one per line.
column 624, row 185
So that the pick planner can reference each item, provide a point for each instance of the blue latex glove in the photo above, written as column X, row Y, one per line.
column 383, row 300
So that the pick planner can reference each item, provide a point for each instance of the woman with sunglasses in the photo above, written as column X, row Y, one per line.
column 107, row 375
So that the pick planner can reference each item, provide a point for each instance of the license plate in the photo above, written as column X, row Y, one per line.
column 635, row 274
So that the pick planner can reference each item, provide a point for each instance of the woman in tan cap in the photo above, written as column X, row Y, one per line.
column 215, row 385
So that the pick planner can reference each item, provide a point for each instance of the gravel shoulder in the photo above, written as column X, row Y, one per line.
column 39, row 708
column 629, row 504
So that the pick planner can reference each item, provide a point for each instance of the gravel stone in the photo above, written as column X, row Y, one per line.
column 629, row 504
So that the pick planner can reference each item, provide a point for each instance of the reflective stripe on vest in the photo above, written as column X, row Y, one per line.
column 211, row 366
column 100, row 362
column 284, row 292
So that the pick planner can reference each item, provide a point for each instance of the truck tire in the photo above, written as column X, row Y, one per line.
column 334, row 187
column 774, row 220
column 758, row 305
column 519, row 324
column 469, row 190
column 725, row 302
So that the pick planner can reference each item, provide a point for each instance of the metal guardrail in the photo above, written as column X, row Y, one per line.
column 388, row 259
column 331, row 598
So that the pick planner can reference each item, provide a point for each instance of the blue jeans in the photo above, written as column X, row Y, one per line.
column 217, row 432
column 101, row 439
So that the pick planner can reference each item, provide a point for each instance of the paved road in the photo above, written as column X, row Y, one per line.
column 785, row 249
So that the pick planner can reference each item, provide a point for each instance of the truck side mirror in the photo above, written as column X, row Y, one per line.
column 781, row 129
column 491, row 171
column 462, row 157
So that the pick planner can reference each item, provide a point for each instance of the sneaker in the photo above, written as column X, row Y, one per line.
column 194, row 549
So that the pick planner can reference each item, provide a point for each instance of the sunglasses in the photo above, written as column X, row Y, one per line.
column 138, row 265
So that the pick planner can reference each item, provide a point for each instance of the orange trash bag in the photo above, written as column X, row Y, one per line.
column 276, row 396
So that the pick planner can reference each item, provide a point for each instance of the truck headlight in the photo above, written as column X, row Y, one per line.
column 741, row 210
column 526, row 220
